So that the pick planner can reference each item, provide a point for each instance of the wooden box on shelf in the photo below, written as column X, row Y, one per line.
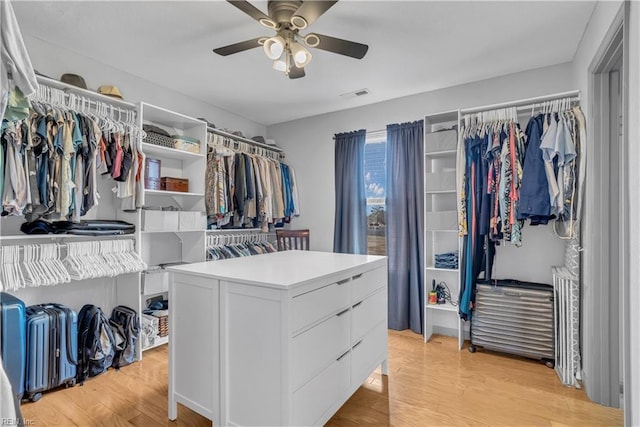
column 174, row 184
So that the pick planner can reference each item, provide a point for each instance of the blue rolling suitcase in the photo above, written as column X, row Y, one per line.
column 13, row 341
column 52, row 348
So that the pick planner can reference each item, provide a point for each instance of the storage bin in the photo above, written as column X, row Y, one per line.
column 149, row 330
column 160, row 220
column 441, row 181
column 444, row 220
column 152, row 174
column 192, row 220
column 158, row 139
column 442, row 141
column 155, row 282
column 163, row 322
column 184, row 143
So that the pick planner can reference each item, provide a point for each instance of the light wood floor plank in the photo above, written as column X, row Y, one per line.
column 430, row 384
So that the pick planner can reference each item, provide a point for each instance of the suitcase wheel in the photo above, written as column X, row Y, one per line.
column 472, row 348
column 70, row 383
column 35, row 397
column 549, row 363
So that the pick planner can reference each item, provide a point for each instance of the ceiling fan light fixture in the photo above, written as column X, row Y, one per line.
column 280, row 65
column 311, row 40
column 273, row 47
column 267, row 23
column 301, row 56
column 298, row 22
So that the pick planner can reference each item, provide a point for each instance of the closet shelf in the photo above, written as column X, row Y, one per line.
column 442, row 307
column 171, row 231
column 171, row 193
column 164, row 117
column 242, row 139
column 159, row 150
column 84, row 92
column 445, row 153
column 234, row 230
column 452, row 270
column 65, row 237
column 440, row 191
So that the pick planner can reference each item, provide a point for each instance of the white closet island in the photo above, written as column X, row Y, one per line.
column 277, row 339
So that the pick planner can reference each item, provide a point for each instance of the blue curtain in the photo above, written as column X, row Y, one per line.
column 405, row 226
column 350, row 229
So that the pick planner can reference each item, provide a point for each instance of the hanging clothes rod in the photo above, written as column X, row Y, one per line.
column 61, row 236
column 85, row 93
column 63, row 245
column 524, row 104
column 245, row 140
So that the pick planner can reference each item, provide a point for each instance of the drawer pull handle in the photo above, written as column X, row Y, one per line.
column 342, row 282
column 342, row 312
column 357, row 304
column 343, row 355
column 357, row 344
column 357, row 276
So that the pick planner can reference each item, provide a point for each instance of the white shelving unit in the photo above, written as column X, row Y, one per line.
column 163, row 246
column 105, row 292
column 441, row 222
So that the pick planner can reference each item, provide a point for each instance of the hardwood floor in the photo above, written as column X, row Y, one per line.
column 428, row 384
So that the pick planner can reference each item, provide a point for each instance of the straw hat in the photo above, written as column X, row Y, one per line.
column 110, row 91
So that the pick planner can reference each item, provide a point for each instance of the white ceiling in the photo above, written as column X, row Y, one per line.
column 414, row 46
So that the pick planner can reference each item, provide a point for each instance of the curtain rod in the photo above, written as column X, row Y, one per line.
column 523, row 103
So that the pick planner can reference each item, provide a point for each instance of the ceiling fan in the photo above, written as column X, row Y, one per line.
column 287, row 48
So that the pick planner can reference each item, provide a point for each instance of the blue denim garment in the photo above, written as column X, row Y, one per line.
column 534, row 192
column 446, row 260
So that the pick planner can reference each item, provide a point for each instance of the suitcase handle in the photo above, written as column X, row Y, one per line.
column 512, row 294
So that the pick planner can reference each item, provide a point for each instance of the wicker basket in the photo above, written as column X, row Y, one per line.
column 157, row 139
column 163, row 326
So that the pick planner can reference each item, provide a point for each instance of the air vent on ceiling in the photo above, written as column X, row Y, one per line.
column 356, row 93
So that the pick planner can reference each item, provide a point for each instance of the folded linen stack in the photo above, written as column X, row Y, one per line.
column 447, row 260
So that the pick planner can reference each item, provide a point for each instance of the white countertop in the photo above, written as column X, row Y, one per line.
column 280, row 269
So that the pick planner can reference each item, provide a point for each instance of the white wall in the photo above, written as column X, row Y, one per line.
column 599, row 25
column 53, row 61
column 309, row 142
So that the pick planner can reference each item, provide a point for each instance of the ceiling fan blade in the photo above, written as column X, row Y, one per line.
column 296, row 73
column 253, row 12
column 238, row 47
column 340, row 46
column 310, row 11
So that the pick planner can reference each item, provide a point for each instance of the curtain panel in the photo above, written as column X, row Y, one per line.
column 350, row 229
column 405, row 225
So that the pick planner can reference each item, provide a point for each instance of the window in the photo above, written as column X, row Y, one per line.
column 375, row 167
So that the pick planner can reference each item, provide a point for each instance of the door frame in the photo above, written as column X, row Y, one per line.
column 605, row 314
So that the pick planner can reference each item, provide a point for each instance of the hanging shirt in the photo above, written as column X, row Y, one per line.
column 14, row 58
column 534, row 194
column 550, row 161
column 14, row 198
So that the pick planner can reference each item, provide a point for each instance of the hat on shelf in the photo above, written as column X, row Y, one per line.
column 112, row 91
column 73, row 79
column 259, row 139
